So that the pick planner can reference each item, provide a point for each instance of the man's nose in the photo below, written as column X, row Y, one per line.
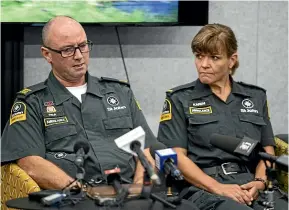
column 77, row 54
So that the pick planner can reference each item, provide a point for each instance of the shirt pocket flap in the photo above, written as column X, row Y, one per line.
column 118, row 122
column 254, row 119
column 202, row 119
column 60, row 131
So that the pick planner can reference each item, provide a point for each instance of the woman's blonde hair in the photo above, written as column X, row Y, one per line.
column 216, row 39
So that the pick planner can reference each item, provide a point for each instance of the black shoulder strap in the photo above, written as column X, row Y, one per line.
column 252, row 86
column 181, row 87
column 108, row 79
column 29, row 90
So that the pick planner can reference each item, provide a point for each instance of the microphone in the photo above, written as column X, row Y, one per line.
column 133, row 142
column 243, row 147
column 135, row 146
column 281, row 161
column 81, row 148
column 246, row 147
column 166, row 160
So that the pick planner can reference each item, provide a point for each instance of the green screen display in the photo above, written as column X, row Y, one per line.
column 90, row 11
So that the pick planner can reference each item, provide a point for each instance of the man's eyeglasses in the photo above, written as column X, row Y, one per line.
column 70, row 51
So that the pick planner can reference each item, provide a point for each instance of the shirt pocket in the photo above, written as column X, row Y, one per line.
column 65, row 162
column 201, row 128
column 251, row 126
column 59, row 136
column 117, row 126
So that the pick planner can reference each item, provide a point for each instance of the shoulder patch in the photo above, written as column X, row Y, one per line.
column 108, row 79
column 167, row 111
column 252, row 86
column 18, row 112
column 181, row 87
column 29, row 90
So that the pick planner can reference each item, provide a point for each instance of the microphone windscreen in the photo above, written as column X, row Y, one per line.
column 81, row 144
column 226, row 143
column 155, row 147
column 111, row 177
column 135, row 145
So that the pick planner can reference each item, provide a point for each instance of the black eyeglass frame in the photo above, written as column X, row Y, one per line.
column 88, row 42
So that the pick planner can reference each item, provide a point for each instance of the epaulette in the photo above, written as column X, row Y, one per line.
column 251, row 86
column 29, row 90
column 181, row 87
column 114, row 80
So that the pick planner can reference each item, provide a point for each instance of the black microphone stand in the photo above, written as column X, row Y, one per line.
column 172, row 197
column 121, row 192
column 146, row 192
column 271, row 174
column 77, row 194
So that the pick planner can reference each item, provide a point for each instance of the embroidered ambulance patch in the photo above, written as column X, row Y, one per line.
column 18, row 112
column 201, row 110
column 167, row 111
column 55, row 121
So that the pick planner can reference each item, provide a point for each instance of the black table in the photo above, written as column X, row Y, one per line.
column 88, row 204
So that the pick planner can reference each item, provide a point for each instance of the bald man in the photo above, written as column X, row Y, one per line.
column 48, row 118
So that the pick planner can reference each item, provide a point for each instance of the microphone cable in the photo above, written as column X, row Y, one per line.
column 121, row 53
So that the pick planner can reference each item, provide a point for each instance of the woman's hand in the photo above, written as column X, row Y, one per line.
column 234, row 192
column 253, row 188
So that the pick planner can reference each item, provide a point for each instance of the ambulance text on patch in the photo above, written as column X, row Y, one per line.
column 200, row 110
column 55, row 121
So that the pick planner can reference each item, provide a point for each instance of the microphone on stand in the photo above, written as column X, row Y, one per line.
column 246, row 148
column 166, row 160
column 135, row 146
column 133, row 142
column 81, row 148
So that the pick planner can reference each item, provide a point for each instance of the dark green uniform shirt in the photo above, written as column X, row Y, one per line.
column 47, row 120
column 192, row 113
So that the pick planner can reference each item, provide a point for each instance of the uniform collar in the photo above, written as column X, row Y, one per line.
column 61, row 94
column 238, row 89
column 201, row 90
column 93, row 86
column 205, row 90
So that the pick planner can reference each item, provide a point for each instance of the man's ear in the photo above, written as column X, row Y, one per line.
column 46, row 54
column 233, row 60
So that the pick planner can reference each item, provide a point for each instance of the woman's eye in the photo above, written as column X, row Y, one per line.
column 215, row 58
